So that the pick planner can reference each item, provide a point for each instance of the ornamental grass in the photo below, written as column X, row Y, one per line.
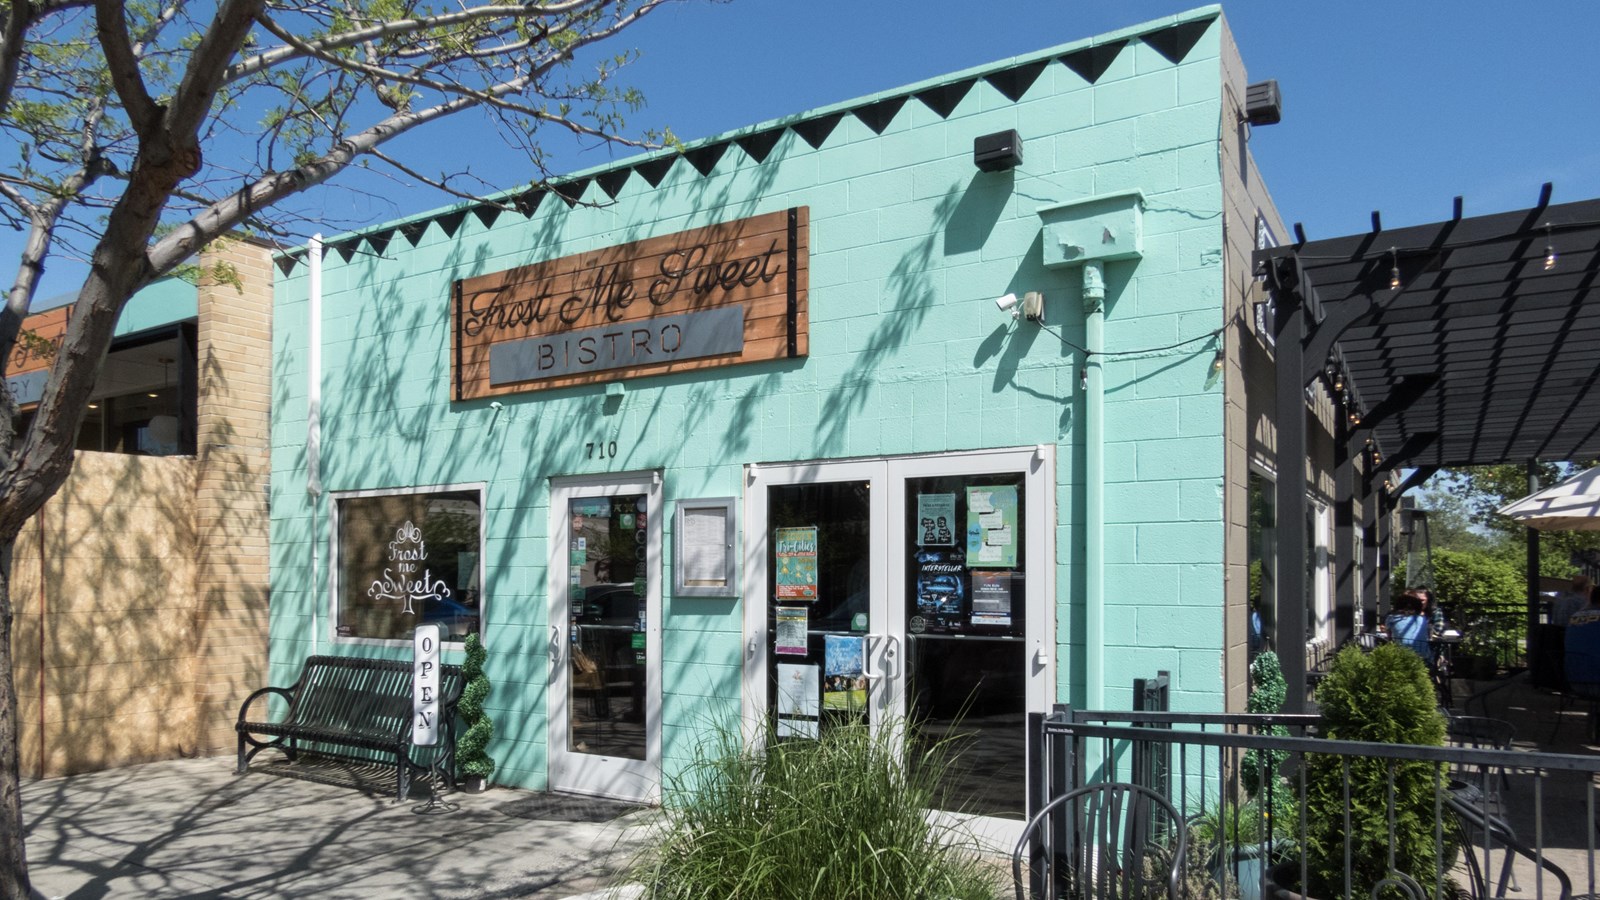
column 841, row 817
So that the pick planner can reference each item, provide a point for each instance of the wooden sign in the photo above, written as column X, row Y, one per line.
column 717, row 296
column 28, row 367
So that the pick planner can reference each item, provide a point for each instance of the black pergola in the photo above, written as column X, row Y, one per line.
column 1470, row 341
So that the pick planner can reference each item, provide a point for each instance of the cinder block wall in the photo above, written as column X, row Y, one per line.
column 909, row 246
column 232, row 468
column 102, row 580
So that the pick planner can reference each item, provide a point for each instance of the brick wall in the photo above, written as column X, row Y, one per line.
column 231, row 474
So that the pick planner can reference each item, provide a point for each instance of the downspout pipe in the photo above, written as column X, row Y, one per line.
column 314, row 420
column 1094, row 462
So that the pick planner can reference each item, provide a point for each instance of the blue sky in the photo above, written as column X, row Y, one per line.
column 1395, row 106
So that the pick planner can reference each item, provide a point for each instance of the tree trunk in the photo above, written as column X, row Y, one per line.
column 13, row 854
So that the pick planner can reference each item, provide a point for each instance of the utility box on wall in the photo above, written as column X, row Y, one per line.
column 1097, row 228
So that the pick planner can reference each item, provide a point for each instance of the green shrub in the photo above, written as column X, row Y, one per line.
column 1383, row 696
column 840, row 817
column 1259, row 768
column 472, row 757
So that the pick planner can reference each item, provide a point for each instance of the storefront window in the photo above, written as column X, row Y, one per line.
column 407, row 559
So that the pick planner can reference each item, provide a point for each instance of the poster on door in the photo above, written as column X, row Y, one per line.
column 936, row 520
column 992, row 527
column 790, row 639
column 940, row 589
column 844, row 678
column 798, row 708
column 991, row 599
column 796, row 550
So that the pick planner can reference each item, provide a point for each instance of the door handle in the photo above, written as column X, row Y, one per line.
column 866, row 656
column 891, row 656
column 555, row 643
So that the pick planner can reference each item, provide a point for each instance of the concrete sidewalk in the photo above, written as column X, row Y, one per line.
column 191, row 828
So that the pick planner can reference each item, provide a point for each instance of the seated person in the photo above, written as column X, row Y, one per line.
column 1583, row 652
column 1570, row 601
column 1409, row 626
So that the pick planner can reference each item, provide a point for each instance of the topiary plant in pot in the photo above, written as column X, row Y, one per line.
column 1384, row 696
column 472, row 758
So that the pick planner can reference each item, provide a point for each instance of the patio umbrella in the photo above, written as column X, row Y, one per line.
column 1572, row 505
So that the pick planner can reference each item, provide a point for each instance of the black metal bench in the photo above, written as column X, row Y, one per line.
column 347, row 702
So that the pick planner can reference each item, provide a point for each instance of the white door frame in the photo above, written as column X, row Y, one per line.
column 888, row 477
column 587, row 773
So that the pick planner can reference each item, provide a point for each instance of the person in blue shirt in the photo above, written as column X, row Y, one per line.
column 1409, row 625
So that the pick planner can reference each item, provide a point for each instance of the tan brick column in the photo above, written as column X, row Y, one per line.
column 232, row 469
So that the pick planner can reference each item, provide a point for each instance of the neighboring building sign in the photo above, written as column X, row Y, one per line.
column 28, row 367
column 716, row 296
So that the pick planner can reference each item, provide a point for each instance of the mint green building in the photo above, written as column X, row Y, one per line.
column 798, row 426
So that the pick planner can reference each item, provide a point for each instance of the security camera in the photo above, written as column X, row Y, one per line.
column 496, row 405
column 1031, row 307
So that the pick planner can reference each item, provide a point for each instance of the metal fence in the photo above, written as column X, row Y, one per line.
column 1350, row 819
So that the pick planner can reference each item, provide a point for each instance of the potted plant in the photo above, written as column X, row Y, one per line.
column 472, row 758
column 1384, row 696
column 1241, row 837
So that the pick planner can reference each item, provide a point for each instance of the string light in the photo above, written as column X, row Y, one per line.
column 1394, row 270
column 1338, row 381
column 1083, row 376
column 1549, row 249
column 1355, row 417
column 1218, row 361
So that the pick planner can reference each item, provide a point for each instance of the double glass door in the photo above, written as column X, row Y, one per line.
column 910, row 590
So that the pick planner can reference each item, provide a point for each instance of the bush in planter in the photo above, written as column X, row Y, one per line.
column 1384, row 696
column 472, row 758
column 839, row 817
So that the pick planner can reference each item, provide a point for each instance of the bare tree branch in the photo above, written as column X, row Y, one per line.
column 395, row 28
column 493, row 96
column 111, row 25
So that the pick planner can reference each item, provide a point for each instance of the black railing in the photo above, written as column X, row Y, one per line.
column 1501, row 820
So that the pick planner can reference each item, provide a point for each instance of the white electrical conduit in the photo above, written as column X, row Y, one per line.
column 314, row 420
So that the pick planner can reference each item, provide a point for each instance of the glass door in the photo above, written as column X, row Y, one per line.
column 605, row 637
column 818, row 647
column 933, row 571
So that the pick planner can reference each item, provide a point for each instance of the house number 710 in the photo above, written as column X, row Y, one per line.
column 602, row 449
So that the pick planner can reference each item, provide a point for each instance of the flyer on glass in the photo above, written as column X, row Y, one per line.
column 936, row 520
column 992, row 527
column 791, row 631
column 798, row 706
column 844, row 680
column 991, row 599
column 796, row 550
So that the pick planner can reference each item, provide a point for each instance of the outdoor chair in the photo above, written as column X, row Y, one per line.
column 1484, row 833
column 1483, row 733
column 1113, row 841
